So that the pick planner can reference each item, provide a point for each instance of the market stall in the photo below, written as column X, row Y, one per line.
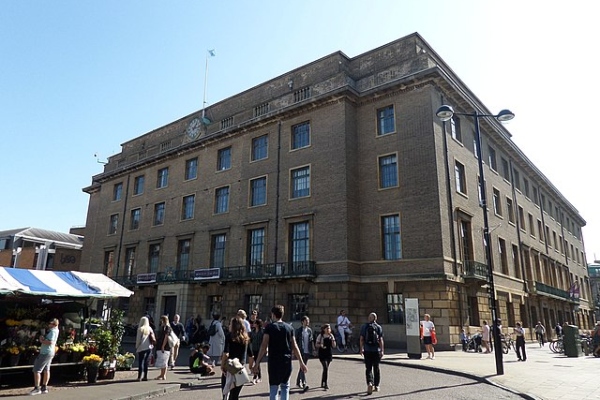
column 29, row 298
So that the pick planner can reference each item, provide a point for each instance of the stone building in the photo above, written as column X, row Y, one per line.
column 335, row 186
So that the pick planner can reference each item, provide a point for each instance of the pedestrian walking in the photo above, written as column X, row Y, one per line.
column 540, row 331
column 179, row 330
column 304, row 339
column 343, row 326
column 256, row 338
column 371, row 348
column 279, row 340
column 427, row 335
column 486, row 336
column 558, row 330
column 243, row 316
column 144, row 342
column 41, row 365
column 520, row 342
column 216, row 339
column 236, row 346
column 163, row 349
column 325, row 344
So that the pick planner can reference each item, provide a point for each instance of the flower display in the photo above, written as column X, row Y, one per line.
column 78, row 348
column 92, row 360
column 14, row 350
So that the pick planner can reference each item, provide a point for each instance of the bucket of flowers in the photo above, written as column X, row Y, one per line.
column 14, row 353
column 125, row 361
column 92, row 365
column 77, row 351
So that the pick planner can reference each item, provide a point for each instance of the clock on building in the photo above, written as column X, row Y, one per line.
column 193, row 129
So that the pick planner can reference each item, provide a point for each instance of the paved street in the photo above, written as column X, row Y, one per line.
column 451, row 375
column 347, row 382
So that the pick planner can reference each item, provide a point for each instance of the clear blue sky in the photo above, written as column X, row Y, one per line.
column 80, row 78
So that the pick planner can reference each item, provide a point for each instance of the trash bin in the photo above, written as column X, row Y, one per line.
column 571, row 341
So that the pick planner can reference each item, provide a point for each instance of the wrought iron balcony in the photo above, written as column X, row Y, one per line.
column 543, row 289
column 475, row 270
column 278, row 271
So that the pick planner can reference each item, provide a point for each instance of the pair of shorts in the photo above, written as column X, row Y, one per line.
column 427, row 340
column 42, row 362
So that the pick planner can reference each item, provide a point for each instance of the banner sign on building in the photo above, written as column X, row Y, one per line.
column 206, row 273
column 146, row 278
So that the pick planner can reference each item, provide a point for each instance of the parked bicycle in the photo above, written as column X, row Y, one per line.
column 556, row 346
column 351, row 342
column 508, row 343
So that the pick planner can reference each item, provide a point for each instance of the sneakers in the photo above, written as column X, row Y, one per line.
column 305, row 389
column 44, row 389
column 433, row 357
column 35, row 391
column 376, row 389
column 370, row 388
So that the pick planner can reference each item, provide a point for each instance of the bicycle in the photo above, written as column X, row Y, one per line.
column 351, row 342
column 556, row 346
column 508, row 343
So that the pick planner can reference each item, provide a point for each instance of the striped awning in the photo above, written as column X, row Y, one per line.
column 59, row 283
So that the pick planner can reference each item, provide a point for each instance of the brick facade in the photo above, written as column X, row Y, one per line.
column 341, row 99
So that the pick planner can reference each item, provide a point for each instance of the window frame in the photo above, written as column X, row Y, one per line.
column 224, row 159
column 388, row 171
column 191, row 169
column 138, row 185
column 255, row 192
column 460, row 176
column 135, row 217
column 301, row 136
column 386, row 120
column 222, row 200
column 300, row 184
column 187, row 209
column 260, row 145
column 158, row 217
column 391, row 237
column 162, row 178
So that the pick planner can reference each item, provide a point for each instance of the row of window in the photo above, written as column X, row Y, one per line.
column 558, row 243
column 299, row 250
column 300, row 138
column 520, row 183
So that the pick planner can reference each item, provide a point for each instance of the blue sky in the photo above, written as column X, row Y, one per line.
column 80, row 78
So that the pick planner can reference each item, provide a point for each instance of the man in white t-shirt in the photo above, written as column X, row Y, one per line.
column 426, row 335
column 344, row 325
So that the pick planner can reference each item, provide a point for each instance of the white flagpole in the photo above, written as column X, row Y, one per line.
column 208, row 53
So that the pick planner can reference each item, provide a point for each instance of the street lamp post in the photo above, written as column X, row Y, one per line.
column 446, row 113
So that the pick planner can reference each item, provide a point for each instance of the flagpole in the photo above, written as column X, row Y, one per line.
column 208, row 53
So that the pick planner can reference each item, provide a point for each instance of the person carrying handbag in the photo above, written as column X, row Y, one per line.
column 236, row 346
column 163, row 349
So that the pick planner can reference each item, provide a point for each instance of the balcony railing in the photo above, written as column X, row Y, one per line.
column 543, row 289
column 475, row 270
column 279, row 271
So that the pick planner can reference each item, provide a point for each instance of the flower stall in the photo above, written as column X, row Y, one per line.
column 30, row 298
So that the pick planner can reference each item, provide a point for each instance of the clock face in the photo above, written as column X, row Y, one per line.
column 193, row 129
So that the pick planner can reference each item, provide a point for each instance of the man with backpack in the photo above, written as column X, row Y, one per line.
column 371, row 348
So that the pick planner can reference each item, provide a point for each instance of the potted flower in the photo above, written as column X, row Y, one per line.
column 77, row 351
column 64, row 352
column 125, row 361
column 92, row 365
column 14, row 352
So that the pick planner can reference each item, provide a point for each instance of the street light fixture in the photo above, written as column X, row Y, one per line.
column 445, row 113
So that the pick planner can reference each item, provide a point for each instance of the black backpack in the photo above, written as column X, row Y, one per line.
column 212, row 329
column 372, row 336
